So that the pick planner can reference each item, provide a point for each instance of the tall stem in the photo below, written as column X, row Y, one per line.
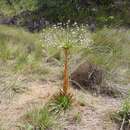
column 66, row 77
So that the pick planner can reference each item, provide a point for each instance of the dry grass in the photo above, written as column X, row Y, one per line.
column 26, row 52
column 108, row 48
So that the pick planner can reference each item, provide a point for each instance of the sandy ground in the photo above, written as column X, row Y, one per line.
column 94, row 115
column 37, row 94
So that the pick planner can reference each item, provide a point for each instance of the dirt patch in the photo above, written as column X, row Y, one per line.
column 36, row 95
column 93, row 113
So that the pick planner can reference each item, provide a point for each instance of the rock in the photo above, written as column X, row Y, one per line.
column 92, row 24
column 36, row 25
column 87, row 75
column 92, row 27
column 26, row 19
column 8, row 21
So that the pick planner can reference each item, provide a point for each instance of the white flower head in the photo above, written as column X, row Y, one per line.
column 60, row 37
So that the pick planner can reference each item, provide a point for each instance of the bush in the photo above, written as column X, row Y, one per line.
column 56, row 11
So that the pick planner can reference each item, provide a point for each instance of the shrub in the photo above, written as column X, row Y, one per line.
column 26, row 13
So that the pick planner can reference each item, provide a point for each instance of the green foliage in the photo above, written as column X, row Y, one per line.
column 126, row 107
column 124, row 113
column 63, row 10
column 24, row 52
column 67, row 46
column 21, row 47
column 61, row 102
column 1, row 128
column 40, row 118
column 107, row 46
column 9, row 7
column 4, row 52
column 106, row 2
column 77, row 117
column 46, row 117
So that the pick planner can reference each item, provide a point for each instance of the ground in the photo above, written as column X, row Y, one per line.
column 94, row 115
column 29, row 79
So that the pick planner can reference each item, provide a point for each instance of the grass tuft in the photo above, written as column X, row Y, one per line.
column 40, row 119
column 61, row 102
column 122, row 117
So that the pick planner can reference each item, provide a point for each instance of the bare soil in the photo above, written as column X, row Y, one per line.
column 95, row 114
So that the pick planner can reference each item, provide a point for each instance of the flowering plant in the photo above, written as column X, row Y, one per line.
column 66, row 38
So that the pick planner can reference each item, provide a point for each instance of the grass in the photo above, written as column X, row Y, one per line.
column 122, row 117
column 77, row 117
column 47, row 116
column 61, row 102
column 40, row 118
column 19, row 47
column 1, row 128
column 108, row 48
column 25, row 53
column 22, row 52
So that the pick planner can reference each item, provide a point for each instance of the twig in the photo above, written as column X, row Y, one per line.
column 122, row 125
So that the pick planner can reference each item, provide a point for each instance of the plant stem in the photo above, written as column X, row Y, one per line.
column 66, row 77
column 122, row 125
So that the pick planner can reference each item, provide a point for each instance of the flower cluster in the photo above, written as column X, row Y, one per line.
column 58, row 36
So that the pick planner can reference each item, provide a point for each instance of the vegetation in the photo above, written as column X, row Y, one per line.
column 61, row 102
column 104, row 47
column 123, row 116
column 47, row 116
column 40, row 119
column 66, row 77
column 19, row 46
column 25, row 53
column 104, row 12
column 46, row 42
column 77, row 117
